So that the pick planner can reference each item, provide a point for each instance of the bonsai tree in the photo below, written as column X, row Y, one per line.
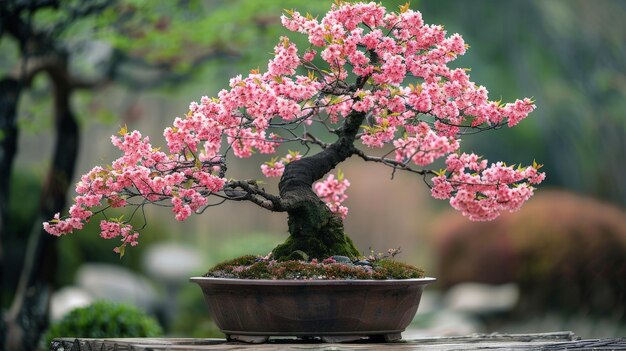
column 372, row 84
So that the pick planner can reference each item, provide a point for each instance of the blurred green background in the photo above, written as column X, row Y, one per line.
column 140, row 63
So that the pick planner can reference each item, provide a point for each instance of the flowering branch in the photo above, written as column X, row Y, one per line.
column 380, row 80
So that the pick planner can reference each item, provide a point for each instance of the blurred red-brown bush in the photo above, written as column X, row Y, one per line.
column 566, row 252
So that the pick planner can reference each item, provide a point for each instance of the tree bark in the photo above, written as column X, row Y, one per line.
column 9, row 96
column 313, row 228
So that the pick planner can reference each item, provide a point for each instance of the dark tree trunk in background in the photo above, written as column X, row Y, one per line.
column 9, row 96
column 313, row 229
column 28, row 315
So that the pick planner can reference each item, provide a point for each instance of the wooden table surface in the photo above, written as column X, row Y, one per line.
column 542, row 341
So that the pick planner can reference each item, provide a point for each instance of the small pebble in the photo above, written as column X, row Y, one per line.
column 342, row 259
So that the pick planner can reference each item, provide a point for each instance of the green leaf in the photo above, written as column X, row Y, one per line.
column 122, row 249
column 272, row 161
column 340, row 175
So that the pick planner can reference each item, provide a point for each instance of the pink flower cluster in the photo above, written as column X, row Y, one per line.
column 411, row 49
column 484, row 192
column 276, row 168
column 144, row 172
column 332, row 191
column 113, row 229
column 425, row 147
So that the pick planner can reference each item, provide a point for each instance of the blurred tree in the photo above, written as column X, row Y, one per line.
column 27, row 316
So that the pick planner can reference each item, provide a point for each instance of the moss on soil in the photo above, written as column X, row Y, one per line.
column 314, row 247
column 252, row 267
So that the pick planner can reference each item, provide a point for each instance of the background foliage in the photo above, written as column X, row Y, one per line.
column 104, row 320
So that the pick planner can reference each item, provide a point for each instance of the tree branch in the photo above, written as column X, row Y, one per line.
column 249, row 190
column 391, row 163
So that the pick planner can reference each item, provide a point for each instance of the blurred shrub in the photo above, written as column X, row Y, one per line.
column 104, row 320
column 192, row 319
column 565, row 251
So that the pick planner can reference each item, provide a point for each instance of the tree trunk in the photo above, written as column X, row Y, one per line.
column 313, row 229
column 28, row 316
column 9, row 96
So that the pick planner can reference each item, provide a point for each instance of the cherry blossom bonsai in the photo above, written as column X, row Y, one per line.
column 372, row 84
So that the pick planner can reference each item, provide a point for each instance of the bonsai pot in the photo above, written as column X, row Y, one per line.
column 252, row 310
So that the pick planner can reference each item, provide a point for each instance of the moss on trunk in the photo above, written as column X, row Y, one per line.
column 315, row 231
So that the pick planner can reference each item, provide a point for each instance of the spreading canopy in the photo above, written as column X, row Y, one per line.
column 390, row 69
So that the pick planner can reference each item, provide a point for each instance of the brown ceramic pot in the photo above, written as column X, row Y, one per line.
column 251, row 310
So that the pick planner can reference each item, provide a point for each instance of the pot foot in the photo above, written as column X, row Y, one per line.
column 332, row 339
column 248, row 339
column 390, row 337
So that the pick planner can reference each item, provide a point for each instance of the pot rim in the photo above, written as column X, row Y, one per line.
column 240, row 281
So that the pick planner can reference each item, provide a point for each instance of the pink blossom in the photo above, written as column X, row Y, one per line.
column 378, row 137
column 424, row 148
column 180, row 209
column 488, row 191
column 285, row 59
column 309, row 55
column 518, row 110
column 210, row 182
column 442, row 189
column 273, row 169
column 393, row 70
column 276, row 168
column 332, row 191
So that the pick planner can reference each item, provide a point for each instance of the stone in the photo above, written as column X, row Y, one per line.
column 173, row 262
column 66, row 299
column 342, row 259
column 114, row 283
column 481, row 299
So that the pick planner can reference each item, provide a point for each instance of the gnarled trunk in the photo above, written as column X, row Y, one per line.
column 313, row 228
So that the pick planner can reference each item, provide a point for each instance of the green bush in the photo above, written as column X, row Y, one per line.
column 104, row 319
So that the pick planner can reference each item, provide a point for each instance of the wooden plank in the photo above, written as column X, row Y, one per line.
column 546, row 341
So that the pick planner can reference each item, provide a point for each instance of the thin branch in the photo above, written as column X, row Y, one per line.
column 391, row 163
column 249, row 190
column 315, row 140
